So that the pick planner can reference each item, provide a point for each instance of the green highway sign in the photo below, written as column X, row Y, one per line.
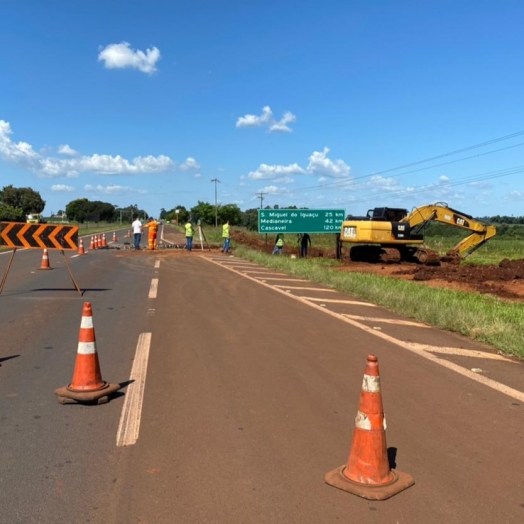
column 300, row 220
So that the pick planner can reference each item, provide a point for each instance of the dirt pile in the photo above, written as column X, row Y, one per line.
column 505, row 280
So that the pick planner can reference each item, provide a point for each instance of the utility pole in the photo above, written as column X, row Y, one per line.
column 216, row 181
column 261, row 196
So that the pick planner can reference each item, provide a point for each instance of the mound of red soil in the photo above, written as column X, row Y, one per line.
column 505, row 280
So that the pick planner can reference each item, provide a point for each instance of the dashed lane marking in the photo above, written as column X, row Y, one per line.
column 419, row 349
column 157, row 264
column 153, row 289
column 129, row 426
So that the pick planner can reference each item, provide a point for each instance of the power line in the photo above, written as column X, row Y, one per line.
column 345, row 180
column 424, row 189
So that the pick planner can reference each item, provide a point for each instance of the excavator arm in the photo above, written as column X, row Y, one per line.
column 440, row 212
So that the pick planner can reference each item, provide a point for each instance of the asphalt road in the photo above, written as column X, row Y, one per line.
column 251, row 391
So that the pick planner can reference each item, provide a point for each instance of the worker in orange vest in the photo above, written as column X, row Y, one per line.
column 152, row 226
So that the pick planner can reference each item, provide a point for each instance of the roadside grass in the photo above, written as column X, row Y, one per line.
column 492, row 252
column 483, row 318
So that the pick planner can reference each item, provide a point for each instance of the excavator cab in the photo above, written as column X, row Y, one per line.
column 387, row 214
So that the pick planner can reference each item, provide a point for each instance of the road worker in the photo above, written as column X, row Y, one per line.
column 189, row 235
column 279, row 244
column 226, row 236
column 152, row 226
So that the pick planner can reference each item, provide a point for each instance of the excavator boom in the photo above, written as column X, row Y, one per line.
column 442, row 213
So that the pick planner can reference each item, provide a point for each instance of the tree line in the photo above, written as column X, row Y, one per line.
column 16, row 203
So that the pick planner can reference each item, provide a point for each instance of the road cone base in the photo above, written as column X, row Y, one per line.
column 67, row 395
column 337, row 479
column 45, row 268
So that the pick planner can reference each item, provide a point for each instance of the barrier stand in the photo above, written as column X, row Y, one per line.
column 202, row 238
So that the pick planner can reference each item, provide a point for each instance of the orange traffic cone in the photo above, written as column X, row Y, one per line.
column 45, row 261
column 104, row 241
column 114, row 237
column 367, row 473
column 81, row 250
column 87, row 384
column 128, row 233
column 92, row 244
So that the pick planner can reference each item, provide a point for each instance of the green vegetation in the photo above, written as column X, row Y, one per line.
column 17, row 202
column 480, row 317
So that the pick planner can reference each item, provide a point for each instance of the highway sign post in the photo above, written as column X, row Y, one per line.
column 300, row 220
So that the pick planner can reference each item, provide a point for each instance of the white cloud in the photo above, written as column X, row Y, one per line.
column 480, row 185
column 198, row 175
column 120, row 56
column 66, row 150
column 284, row 180
column 23, row 155
column 274, row 190
column 282, row 124
column 320, row 164
column 267, row 119
column 62, row 188
column 267, row 172
column 112, row 189
column 189, row 163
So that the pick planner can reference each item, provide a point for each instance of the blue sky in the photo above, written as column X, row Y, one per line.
column 313, row 104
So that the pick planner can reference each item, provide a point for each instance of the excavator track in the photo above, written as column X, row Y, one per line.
column 390, row 255
column 427, row 257
column 375, row 254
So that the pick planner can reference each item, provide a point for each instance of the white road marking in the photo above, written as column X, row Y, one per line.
column 387, row 321
column 129, row 425
column 263, row 272
column 157, row 264
column 236, row 263
column 301, row 288
column 460, row 352
column 337, row 301
column 153, row 289
column 284, row 279
column 419, row 349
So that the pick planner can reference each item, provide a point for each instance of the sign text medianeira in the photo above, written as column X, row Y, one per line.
column 300, row 220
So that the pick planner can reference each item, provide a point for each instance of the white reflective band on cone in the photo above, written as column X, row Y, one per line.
column 86, row 322
column 362, row 421
column 371, row 384
column 86, row 348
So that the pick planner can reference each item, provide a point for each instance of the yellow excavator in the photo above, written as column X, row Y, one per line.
column 392, row 235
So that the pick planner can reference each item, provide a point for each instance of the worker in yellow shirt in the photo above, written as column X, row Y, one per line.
column 152, row 226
